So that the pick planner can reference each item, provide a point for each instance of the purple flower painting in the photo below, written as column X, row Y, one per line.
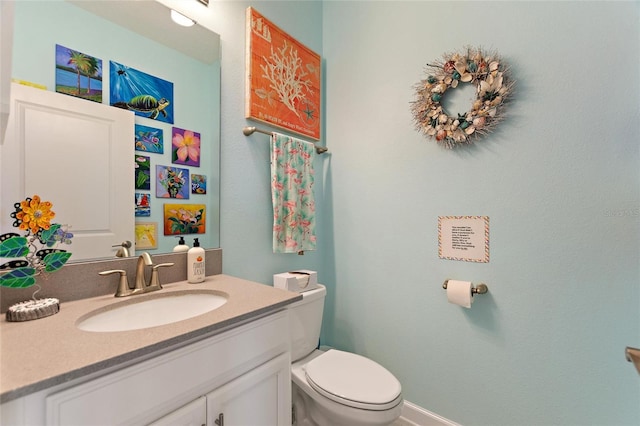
column 172, row 182
column 185, row 147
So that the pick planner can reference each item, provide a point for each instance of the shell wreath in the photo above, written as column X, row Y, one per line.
column 494, row 87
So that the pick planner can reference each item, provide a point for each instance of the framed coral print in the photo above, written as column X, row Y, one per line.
column 282, row 78
column 146, row 235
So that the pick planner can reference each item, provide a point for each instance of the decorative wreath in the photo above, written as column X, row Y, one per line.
column 487, row 72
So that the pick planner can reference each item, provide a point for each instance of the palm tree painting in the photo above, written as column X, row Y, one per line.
column 78, row 74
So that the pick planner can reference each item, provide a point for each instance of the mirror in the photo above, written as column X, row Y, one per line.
column 140, row 35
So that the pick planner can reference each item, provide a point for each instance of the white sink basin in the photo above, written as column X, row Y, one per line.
column 151, row 312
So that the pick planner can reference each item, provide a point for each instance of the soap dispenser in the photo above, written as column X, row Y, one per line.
column 195, row 263
column 181, row 247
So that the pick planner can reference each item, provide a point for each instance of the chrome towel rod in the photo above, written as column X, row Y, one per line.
column 249, row 130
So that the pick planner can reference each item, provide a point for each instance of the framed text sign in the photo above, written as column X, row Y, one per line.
column 463, row 238
column 282, row 79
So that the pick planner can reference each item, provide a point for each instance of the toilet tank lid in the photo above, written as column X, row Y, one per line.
column 310, row 296
column 352, row 377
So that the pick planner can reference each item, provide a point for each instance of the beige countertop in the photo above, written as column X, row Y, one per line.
column 38, row 354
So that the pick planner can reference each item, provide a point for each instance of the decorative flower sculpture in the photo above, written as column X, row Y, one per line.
column 493, row 84
column 37, row 247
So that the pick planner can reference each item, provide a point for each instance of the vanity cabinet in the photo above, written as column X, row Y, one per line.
column 255, row 398
column 243, row 373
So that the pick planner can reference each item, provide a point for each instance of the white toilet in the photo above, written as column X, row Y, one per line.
column 335, row 388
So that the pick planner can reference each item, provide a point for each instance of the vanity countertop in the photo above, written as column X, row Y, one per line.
column 38, row 354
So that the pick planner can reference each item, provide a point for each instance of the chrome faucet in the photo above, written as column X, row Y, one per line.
column 141, row 286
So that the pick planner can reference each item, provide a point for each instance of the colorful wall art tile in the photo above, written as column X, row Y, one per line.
column 198, row 184
column 185, row 147
column 78, row 74
column 184, row 219
column 143, row 204
column 172, row 182
column 146, row 235
column 142, row 93
column 143, row 172
column 149, row 139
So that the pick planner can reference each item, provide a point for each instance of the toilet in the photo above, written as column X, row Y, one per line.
column 335, row 388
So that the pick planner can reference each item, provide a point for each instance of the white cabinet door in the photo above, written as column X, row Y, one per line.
column 79, row 155
column 192, row 414
column 260, row 397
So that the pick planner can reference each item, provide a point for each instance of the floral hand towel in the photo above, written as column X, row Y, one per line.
column 294, row 222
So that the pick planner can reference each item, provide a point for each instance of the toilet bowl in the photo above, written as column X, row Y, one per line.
column 343, row 389
column 335, row 388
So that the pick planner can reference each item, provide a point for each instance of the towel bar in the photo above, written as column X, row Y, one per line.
column 249, row 130
column 479, row 289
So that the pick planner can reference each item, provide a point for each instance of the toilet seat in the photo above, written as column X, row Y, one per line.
column 353, row 380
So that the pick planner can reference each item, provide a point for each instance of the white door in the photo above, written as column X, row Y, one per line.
column 79, row 155
column 257, row 398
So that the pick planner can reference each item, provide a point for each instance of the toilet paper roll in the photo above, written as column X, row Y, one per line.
column 459, row 293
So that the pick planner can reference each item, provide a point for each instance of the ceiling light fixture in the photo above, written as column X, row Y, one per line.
column 180, row 19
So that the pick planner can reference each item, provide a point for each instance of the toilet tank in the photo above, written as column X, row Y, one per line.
column 305, row 321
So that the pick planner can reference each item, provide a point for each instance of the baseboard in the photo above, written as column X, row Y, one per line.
column 421, row 417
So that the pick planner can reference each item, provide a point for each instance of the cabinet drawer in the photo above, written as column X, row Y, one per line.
column 143, row 392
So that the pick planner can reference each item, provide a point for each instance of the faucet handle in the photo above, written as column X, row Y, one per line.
column 123, row 284
column 155, row 276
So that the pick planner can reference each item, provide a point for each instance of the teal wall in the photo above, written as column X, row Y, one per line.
column 559, row 179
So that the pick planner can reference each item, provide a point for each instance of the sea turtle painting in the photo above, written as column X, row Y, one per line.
column 146, row 95
column 145, row 104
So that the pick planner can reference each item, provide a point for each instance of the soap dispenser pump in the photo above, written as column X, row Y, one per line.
column 195, row 263
column 181, row 247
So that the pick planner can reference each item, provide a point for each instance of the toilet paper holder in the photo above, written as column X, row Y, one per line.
column 479, row 289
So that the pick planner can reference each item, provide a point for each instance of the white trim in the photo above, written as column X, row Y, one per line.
column 418, row 416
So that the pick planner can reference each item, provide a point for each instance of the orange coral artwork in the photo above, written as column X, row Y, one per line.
column 283, row 79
